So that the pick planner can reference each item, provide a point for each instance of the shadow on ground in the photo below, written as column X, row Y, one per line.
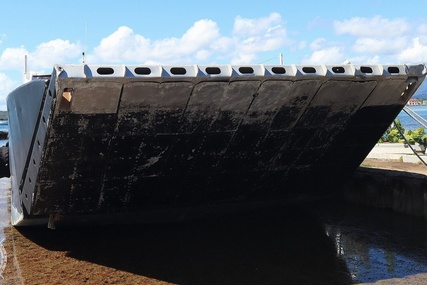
column 283, row 245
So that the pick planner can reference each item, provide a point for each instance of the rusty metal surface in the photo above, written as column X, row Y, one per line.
column 118, row 141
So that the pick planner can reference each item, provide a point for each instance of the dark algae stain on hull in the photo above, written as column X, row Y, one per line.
column 124, row 142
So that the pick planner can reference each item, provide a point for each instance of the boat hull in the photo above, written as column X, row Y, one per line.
column 97, row 140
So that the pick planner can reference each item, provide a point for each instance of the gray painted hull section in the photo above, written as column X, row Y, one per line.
column 101, row 140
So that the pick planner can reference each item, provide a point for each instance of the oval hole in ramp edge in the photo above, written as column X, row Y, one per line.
column 308, row 69
column 278, row 70
column 178, row 70
column 246, row 70
column 105, row 70
column 142, row 70
column 393, row 69
column 366, row 69
column 213, row 70
column 338, row 69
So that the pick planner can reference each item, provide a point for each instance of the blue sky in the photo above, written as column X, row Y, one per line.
column 207, row 32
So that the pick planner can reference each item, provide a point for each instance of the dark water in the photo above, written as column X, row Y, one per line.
column 376, row 244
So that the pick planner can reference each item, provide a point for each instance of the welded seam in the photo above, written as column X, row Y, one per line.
column 186, row 104
column 108, row 154
column 254, row 96
column 181, row 119
column 283, row 147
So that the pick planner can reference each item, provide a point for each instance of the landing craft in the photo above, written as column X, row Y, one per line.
column 108, row 143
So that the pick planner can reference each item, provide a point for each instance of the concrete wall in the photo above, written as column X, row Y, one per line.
column 402, row 192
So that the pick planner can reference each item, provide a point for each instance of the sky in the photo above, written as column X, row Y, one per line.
column 206, row 32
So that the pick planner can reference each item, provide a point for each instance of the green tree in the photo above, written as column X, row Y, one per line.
column 417, row 136
column 392, row 135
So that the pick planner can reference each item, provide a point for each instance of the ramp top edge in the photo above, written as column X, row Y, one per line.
column 89, row 71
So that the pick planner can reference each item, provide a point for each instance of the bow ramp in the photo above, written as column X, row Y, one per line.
column 113, row 141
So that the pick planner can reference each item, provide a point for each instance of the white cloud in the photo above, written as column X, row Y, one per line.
column 298, row 46
column 253, row 36
column 376, row 27
column 201, row 43
column 121, row 45
column 44, row 56
column 330, row 55
column 124, row 45
column 324, row 52
column 254, row 27
column 415, row 53
column 381, row 46
column 201, row 35
column 317, row 44
column 56, row 51
column 381, row 40
column 41, row 60
column 422, row 29
column 6, row 86
column 13, row 58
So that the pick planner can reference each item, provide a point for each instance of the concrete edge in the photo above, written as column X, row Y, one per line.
column 399, row 191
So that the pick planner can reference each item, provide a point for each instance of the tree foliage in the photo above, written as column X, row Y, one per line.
column 393, row 135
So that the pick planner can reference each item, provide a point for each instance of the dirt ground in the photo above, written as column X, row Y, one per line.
column 189, row 253
column 395, row 165
column 30, row 262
